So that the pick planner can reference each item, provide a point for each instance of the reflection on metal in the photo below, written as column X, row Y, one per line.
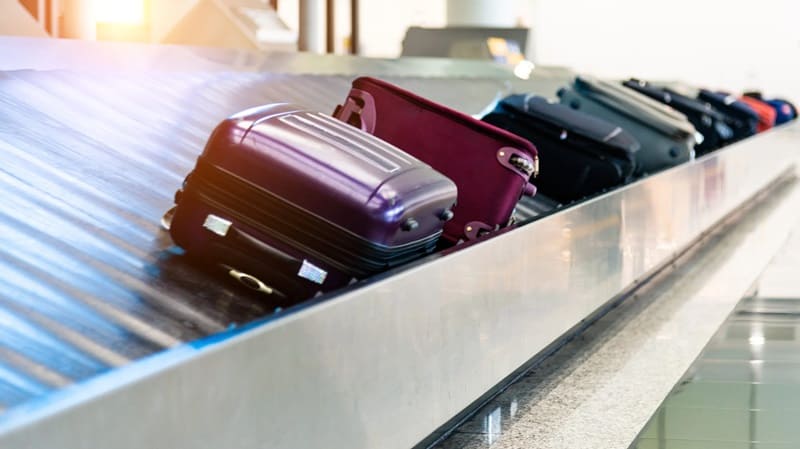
column 382, row 365
column 27, row 53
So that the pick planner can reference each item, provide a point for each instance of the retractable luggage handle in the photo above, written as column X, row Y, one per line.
column 358, row 110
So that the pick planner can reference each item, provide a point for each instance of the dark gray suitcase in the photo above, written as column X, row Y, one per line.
column 666, row 136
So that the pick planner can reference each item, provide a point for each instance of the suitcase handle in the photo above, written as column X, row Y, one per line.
column 518, row 162
column 358, row 110
column 239, row 240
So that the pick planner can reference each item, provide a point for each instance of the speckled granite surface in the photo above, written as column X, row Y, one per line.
column 600, row 390
column 744, row 390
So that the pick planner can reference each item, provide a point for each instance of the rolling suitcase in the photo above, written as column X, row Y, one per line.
column 666, row 136
column 742, row 119
column 531, row 208
column 766, row 113
column 490, row 166
column 784, row 110
column 583, row 154
column 708, row 122
column 292, row 202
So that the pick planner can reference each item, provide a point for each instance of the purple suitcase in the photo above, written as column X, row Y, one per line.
column 293, row 202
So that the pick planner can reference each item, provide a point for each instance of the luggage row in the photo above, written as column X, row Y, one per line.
column 600, row 134
column 294, row 203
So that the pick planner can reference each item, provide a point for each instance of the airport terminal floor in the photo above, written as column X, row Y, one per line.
column 660, row 314
column 600, row 389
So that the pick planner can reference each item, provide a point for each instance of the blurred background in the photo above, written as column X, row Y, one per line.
column 730, row 45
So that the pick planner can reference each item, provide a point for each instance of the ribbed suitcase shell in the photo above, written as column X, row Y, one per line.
column 666, row 136
column 307, row 198
column 490, row 166
column 583, row 154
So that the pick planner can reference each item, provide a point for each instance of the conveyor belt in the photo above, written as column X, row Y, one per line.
column 88, row 163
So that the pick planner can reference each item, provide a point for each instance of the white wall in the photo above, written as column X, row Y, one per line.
column 728, row 44
column 384, row 23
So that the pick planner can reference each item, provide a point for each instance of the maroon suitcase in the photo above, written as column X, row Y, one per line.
column 490, row 166
column 292, row 202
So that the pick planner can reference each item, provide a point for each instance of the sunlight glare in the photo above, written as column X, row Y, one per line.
column 119, row 11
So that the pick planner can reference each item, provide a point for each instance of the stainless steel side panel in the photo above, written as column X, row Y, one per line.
column 88, row 164
column 384, row 365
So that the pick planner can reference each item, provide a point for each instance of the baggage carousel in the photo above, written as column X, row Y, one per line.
column 110, row 338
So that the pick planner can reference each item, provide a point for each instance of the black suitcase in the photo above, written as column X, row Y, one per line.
column 581, row 154
column 742, row 119
column 530, row 208
column 708, row 121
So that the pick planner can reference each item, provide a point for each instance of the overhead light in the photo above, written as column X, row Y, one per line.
column 756, row 339
column 124, row 12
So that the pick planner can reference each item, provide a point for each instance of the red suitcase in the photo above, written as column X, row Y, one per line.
column 766, row 113
column 490, row 166
column 292, row 202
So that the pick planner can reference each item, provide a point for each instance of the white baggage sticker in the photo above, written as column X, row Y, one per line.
column 312, row 272
column 217, row 225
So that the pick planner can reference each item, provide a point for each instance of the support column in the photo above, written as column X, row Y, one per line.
column 311, row 30
column 79, row 20
column 486, row 13
column 355, row 27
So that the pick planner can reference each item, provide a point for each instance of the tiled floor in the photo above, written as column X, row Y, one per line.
column 600, row 389
column 744, row 390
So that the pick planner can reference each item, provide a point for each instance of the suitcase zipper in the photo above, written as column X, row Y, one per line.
column 235, row 213
column 294, row 224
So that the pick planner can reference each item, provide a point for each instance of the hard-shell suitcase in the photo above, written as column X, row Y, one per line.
column 490, row 166
column 666, row 136
column 583, row 154
column 742, row 119
column 707, row 121
column 766, row 113
column 293, row 202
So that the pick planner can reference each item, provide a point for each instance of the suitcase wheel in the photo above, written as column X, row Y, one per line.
column 410, row 224
column 446, row 215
